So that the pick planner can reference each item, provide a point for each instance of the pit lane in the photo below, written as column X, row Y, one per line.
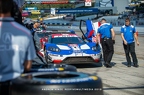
column 120, row 80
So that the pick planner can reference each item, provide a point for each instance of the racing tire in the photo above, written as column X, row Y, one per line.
column 53, row 68
column 57, row 83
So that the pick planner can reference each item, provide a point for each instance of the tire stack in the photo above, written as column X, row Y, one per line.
column 56, row 79
column 52, row 68
column 57, row 83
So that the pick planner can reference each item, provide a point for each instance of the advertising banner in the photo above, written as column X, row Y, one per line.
column 88, row 3
column 78, row 10
column 53, row 11
column 55, row 2
column 31, row 8
column 35, row 12
column 25, row 14
column 47, row 1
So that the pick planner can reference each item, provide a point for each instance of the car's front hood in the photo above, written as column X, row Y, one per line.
column 74, row 48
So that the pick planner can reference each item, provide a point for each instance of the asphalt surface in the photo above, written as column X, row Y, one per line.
column 120, row 79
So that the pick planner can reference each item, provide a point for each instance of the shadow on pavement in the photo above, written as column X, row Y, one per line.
column 125, row 63
column 78, row 65
column 89, row 65
column 113, row 64
column 120, row 88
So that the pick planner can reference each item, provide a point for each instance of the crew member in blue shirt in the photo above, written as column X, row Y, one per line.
column 16, row 48
column 107, row 39
column 128, row 33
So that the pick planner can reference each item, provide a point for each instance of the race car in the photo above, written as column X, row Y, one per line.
column 69, row 48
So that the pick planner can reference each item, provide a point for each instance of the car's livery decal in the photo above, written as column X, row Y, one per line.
column 85, row 46
column 62, row 47
column 74, row 47
column 63, row 35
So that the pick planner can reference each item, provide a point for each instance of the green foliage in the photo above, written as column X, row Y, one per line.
column 33, row 16
column 48, row 6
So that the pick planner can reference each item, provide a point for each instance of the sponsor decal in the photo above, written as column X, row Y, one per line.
column 64, row 35
column 6, row 38
column 76, row 49
column 7, row 43
column 61, row 69
column 94, row 77
column 91, row 78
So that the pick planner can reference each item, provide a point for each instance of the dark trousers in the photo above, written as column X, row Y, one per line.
column 108, row 49
column 5, row 88
column 130, row 49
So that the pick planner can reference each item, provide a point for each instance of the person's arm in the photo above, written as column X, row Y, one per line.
column 30, row 55
column 113, row 34
column 136, row 38
column 122, row 36
column 98, row 36
column 27, row 65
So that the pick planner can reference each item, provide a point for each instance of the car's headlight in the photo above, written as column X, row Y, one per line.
column 54, row 49
column 96, row 48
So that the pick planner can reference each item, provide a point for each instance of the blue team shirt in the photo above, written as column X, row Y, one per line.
column 105, row 30
column 128, row 32
column 16, row 46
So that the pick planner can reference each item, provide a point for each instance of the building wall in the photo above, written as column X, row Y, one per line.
column 118, row 5
column 121, row 4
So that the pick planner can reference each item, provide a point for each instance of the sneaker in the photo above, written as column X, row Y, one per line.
column 129, row 65
column 136, row 65
column 108, row 65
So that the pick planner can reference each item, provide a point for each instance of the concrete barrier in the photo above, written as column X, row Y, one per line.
column 76, row 28
column 139, row 29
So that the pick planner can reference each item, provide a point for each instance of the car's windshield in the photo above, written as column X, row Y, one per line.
column 67, row 40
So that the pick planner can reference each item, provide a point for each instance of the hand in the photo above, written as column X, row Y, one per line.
column 137, row 43
column 113, row 41
column 125, row 42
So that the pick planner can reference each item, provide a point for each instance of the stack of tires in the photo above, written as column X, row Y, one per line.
column 53, row 68
column 56, row 79
column 57, row 83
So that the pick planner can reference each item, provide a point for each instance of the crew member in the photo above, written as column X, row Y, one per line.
column 128, row 33
column 107, row 34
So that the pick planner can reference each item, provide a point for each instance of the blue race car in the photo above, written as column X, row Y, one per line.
column 69, row 48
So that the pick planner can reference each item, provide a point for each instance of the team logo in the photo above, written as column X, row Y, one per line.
column 6, row 38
